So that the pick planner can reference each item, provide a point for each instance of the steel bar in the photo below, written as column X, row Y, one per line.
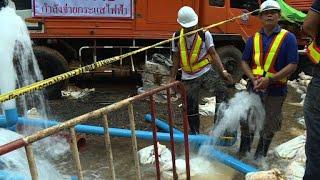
column 75, row 153
column 173, row 151
column 134, row 141
column 154, row 134
column 108, row 145
column 31, row 162
column 185, row 128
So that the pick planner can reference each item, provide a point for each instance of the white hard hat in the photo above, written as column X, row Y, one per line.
column 270, row 5
column 187, row 17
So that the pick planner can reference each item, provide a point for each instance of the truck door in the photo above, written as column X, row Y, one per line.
column 247, row 25
column 159, row 16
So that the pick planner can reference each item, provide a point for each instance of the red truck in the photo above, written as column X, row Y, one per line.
column 70, row 33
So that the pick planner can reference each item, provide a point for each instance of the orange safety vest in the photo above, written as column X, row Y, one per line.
column 265, row 66
column 313, row 52
column 191, row 64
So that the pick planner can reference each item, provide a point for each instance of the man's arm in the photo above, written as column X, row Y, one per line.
column 264, row 82
column 311, row 23
column 216, row 61
column 247, row 70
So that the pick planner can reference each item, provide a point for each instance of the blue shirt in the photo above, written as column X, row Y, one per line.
column 288, row 54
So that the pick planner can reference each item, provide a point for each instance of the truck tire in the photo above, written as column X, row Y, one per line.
column 231, row 57
column 51, row 63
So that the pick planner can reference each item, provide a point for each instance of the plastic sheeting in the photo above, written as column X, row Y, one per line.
column 290, row 14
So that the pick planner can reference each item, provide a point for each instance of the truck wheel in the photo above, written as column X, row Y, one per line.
column 231, row 57
column 51, row 63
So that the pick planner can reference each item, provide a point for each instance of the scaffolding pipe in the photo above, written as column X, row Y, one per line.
column 134, row 141
column 107, row 143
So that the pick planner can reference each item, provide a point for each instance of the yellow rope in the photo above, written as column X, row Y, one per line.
column 50, row 81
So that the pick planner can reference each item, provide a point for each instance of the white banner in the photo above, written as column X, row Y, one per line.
column 83, row 8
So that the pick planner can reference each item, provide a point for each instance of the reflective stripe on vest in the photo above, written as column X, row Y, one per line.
column 314, row 53
column 191, row 64
column 265, row 66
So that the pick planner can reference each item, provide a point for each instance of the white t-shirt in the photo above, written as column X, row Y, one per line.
column 204, row 48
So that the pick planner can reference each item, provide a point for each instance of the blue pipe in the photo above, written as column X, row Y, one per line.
column 166, row 128
column 11, row 118
column 162, row 124
column 229, row 160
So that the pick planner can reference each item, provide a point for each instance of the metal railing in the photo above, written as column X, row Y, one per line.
column 103, row 112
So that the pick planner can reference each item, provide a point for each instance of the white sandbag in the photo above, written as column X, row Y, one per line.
column 273, row 174
column 295, row 171
column 241, row 85
column 147, row 156
column 208, row 109
column 288, row 150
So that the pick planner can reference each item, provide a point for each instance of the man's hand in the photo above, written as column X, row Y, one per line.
column 227, row 76
column 262, row 83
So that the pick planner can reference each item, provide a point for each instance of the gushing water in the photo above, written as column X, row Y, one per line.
column 242, row 106
column 16, row 161
column 18, row 64
column 19, row 68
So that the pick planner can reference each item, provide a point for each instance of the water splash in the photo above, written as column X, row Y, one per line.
column 16, row 161
column 17, row 58
column 243, row 105
column 19, row 68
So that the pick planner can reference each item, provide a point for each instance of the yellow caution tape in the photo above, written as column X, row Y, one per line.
column 50, row 81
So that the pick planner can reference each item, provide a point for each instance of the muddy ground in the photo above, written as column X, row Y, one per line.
column 108, row 91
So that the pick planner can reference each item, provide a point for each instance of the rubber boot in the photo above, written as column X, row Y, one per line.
column 245, row 145
column 262, row 148
column 194, row 124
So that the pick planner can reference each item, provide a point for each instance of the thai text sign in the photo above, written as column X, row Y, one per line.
column 83, row 8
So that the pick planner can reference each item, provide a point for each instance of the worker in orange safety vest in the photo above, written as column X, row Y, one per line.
column 269, row 58
column 195, row 54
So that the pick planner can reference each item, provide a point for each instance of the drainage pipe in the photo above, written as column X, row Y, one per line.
column 11, row 118
column 162, row 124
column 166, row 128
column 220, row 156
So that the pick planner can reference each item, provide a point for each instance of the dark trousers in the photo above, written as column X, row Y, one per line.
column 312, row 119
column 272, row 124
column 209, row 81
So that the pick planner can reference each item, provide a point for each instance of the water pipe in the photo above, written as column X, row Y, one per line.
column 160, row 123
column 229, row 160
column 11, row 118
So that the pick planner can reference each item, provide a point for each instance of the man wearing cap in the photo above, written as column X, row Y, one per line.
column 269, row 58
column 197, row 55
column 312, row 101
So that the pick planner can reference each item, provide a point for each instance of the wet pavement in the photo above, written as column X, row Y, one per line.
column 93, row 154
